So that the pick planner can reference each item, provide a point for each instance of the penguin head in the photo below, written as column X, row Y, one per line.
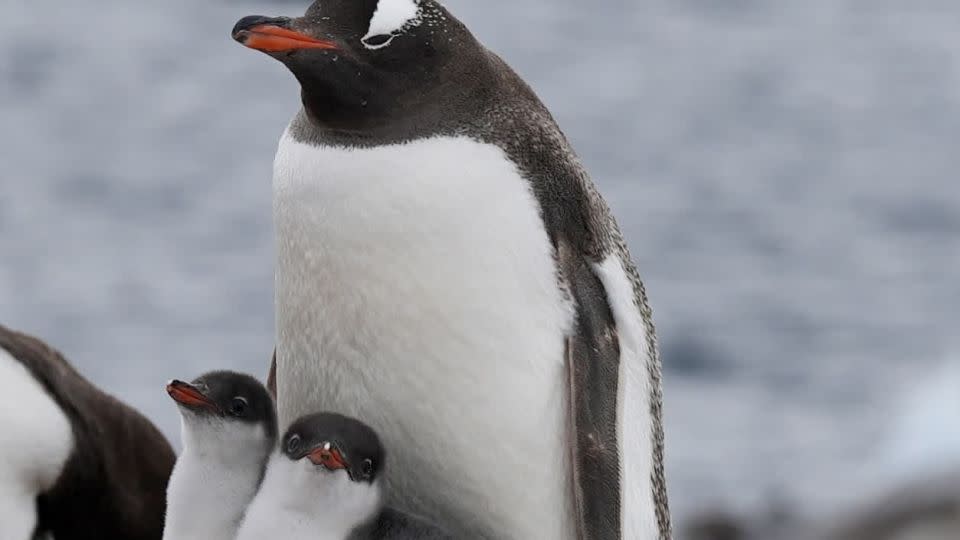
column 363, row 64
column 233, row 408
column 333, row 444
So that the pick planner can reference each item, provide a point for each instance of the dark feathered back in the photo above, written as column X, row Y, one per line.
column 114, row 483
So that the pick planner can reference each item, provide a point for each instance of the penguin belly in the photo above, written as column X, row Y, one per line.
column 416, row 289
column 36, row 440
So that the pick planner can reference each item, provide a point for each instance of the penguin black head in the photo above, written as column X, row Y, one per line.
column 362, row 63
column 334, row 442
column 226, row 397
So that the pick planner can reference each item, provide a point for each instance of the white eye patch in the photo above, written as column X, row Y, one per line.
column 390, row 17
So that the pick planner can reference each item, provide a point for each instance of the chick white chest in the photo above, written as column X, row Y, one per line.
column 416, row 290
column 295, row 504
column 215, row 478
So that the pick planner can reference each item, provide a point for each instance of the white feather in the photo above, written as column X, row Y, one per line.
column 633, row 404
column 417, row 291
column 36, row 439
column 298, row 501
column 215, row 477
column 390, row 17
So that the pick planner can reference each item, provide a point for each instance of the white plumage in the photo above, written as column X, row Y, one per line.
column 297, row 501
column 417, row 291
column 215, row 477
column 390, row 17
column 36, row 440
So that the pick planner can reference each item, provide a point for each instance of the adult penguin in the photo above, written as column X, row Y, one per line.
column 447, row 273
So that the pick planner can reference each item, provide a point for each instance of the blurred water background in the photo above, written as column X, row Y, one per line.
column 784, row 172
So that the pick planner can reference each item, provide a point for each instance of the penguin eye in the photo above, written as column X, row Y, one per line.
column 238, row 407
column 367, row 468
column 377, row 41
column 293, row 443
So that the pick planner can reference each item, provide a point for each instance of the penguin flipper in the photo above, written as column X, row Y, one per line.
column 272, row 375
column 593, row 360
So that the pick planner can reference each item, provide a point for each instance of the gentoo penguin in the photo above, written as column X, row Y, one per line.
column 324, row 484
column 228, row 429
column 75, row 463
column 447, row 271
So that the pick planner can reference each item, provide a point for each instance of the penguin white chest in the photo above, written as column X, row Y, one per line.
column 36, row 440
column 416, row 290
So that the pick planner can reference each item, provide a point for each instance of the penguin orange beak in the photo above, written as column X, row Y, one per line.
column 331, row 458
column 188, row 395
column 273, row 35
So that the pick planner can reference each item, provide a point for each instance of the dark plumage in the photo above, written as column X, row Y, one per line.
column 355, row 441
column 236, row 396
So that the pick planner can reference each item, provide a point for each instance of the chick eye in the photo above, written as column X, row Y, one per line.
column 293, row 443
column 238, row 407
column 377, row 41
column 366, row 468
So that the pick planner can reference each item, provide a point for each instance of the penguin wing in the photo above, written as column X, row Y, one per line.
column 593, row 368
column 272, row 375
